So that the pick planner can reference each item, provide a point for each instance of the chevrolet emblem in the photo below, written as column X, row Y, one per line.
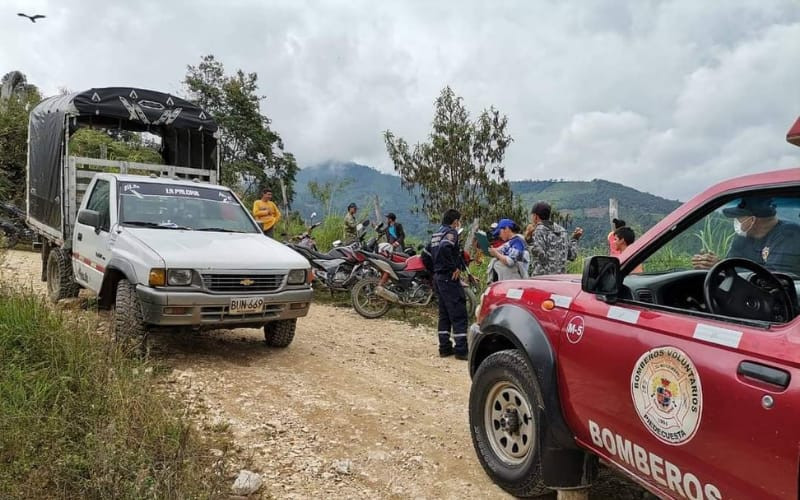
column 246, row 282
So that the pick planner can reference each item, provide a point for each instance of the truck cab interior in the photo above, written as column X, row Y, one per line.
column 738, row 258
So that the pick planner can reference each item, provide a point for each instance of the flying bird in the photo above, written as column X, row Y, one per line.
column 32, row 18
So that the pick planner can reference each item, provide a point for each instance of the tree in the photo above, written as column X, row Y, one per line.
column 325, row 193
column 17, row 96
column 113, row 145
column 461, row 165
column 249, row 149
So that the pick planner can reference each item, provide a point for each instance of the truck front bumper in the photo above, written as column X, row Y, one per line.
column 205, row 310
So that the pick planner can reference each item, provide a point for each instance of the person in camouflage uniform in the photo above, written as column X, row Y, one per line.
column 350, row 225
column 550, row 246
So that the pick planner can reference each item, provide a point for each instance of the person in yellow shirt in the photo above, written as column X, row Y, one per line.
column 266, row 212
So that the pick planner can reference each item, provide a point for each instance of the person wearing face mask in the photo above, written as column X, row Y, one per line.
column 512, row 259
column 447, row 265
column 760, row 237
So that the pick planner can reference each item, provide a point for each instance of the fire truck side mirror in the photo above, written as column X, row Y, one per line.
column 601, row 277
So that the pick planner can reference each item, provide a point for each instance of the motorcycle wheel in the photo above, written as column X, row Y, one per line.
column 365, row 302
column 8, row 238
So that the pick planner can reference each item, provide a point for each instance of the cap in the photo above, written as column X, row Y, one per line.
column 502, row 224
column 352, row 205
column 542, row 209
column 751, row 205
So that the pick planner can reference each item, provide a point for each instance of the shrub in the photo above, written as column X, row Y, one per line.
column 78, row 419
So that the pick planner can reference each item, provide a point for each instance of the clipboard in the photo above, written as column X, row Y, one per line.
column 482, row 241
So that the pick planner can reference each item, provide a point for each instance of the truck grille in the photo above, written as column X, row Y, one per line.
column 246, row 283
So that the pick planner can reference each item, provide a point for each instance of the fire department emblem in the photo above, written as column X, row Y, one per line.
column 664, row 394
column 667, row 395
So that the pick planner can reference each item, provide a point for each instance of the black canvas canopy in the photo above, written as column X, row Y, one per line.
column 188, row 135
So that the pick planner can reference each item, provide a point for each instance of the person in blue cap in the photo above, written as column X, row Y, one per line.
column 760, row 237
column 512, row 259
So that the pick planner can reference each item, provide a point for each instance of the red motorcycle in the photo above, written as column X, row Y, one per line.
column 406, row 284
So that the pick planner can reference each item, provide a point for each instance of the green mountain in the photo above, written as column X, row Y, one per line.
column 585, row 201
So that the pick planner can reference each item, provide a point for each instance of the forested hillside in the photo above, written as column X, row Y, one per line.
column 585, row 201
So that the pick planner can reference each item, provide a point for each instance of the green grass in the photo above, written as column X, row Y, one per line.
column 331, row 229
column 715, row 235
column 576, row 266
column 79, row 419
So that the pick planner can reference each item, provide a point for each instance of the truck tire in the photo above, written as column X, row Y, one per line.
column 128, row 327
column 504, row 417
column 60, row 281
column 365, row 302
column 280, row 333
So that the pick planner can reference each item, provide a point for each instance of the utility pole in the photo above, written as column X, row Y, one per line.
column 285, row 208
column 378, row 215
column 613, row 210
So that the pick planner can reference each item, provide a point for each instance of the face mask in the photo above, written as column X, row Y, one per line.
column 739, row 227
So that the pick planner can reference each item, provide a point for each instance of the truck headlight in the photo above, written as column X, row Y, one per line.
column 297, row 277
column 179, row 277
column 157, row 277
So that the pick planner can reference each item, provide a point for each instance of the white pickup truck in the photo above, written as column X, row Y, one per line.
column 166, row 250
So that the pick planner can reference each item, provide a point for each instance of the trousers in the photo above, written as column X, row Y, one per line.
column 452, row 315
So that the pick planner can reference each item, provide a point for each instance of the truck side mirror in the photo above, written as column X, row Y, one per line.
column 89, row 218
column 601, row 277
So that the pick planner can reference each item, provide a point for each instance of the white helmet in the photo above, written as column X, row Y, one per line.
column 385, row 249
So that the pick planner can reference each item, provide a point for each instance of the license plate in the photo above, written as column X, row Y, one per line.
column 246, row 305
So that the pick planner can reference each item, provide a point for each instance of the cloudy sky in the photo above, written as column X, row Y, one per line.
column 664, row 96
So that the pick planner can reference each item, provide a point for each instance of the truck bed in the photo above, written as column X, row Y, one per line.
column 79, row 172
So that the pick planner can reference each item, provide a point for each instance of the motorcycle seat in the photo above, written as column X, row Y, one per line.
column 333, row 254
column 397, row 266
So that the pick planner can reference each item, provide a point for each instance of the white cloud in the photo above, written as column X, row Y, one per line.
column 664, row 96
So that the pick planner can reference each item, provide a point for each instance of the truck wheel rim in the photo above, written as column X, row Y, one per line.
column 509, row 423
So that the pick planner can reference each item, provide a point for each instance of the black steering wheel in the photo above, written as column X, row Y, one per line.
column 729, row 294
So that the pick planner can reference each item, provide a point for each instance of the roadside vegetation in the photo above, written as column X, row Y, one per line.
column 80, row 419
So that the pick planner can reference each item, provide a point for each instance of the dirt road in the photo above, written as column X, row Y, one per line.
column 352, row 409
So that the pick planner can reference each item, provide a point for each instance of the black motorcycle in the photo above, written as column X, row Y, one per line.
column 13, row 229
column 342, row 267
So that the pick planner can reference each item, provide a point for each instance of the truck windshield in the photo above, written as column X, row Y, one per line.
column 175, row 206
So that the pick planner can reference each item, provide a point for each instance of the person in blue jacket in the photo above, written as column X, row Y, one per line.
column 447, row 263
column 512, row 259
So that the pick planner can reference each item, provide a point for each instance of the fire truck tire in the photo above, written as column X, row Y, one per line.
column 505, row 423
